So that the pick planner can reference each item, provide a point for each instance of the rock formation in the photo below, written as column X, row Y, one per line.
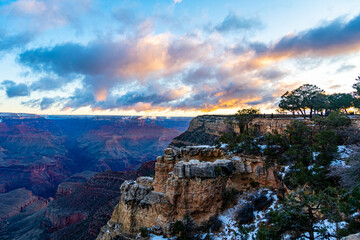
column 190, row 182
column 206, row 129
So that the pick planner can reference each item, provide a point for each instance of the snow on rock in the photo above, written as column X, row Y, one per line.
column 344, row 151
column 283, row 173
column 228, row 218
column 330, row 227
column 339, row 163
column 155, row 237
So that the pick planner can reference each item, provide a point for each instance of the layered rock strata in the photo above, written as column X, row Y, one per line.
column 207, row 129
column 191, row 182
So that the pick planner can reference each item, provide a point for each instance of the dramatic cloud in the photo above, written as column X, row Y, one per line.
column 233, row 22
column 144, row 70
column 334, row 38
column 15, row 90
column 104, row 64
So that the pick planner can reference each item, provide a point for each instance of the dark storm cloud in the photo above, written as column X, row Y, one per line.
column 233, row 22
column 15, row 90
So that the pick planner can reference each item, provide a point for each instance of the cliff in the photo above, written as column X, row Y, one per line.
column 206, row 129
column 196, row 183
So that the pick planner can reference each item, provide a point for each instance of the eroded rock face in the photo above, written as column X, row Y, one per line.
column 190, row 182
column 207, row 129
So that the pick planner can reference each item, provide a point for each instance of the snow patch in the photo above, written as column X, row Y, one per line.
column 344, row 151
column 228, row 218
column 155, row 237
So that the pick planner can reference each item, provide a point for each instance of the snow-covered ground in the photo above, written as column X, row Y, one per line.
column 344, row 153
column 330, row 227
column 155, row 237
column 228, row 218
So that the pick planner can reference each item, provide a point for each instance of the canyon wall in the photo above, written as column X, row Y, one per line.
column 206, row 129
column 190, row 182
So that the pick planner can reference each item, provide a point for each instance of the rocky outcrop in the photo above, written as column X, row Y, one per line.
column 191, row 182
column 202, row 130
column 206, row 129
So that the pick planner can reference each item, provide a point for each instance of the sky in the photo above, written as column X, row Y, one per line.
column 172, row 57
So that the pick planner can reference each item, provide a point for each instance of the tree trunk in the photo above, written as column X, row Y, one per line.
column 311, row 234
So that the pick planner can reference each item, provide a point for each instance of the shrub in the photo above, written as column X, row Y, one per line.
column 144, row 232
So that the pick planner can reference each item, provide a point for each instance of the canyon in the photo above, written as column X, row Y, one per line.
column 191, row 178
column 60, row 175
column 38, row 153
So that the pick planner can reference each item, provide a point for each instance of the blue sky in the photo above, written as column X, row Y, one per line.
column 171, row 57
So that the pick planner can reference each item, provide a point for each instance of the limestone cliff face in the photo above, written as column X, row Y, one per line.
column 207, row 129
column 190, row 182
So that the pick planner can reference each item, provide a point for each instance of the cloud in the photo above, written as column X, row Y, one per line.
column 345, row 68
column 9, row 42
column 27, row 19
column 49, row 83
column 233, row 22
column 103, row 64
column 40, row 15
column 336, row 37
column 177, row 1
column 146, row 71
column 43, row 103
column 272, row 74
column 15, row 90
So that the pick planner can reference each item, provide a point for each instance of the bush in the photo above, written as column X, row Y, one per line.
column 144, row 232
column 244, row 232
